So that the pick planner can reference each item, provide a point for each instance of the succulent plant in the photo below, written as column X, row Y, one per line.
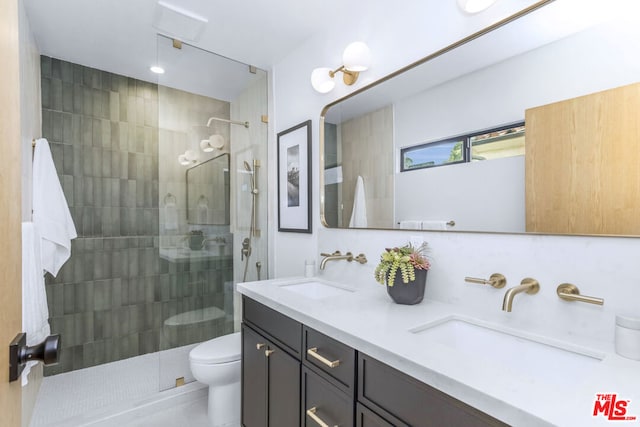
column 406, row 259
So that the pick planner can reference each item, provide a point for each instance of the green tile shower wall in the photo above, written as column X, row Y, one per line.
column 109, row 301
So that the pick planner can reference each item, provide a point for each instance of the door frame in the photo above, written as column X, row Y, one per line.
column 10, row 209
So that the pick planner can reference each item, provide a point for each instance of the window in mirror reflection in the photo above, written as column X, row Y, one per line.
column 498, row 143
column 495, row 143
column 433, row 154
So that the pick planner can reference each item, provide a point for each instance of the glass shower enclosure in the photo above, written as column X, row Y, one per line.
column 164, row 179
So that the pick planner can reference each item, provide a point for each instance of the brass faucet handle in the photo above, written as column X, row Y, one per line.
column 496, row 280
column 569, row 292
column 361, row 258
column 333, row 254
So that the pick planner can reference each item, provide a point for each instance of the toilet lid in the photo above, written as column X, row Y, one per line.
column 226, row 348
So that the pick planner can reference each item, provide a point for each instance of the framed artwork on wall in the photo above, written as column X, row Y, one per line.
column 294, row 179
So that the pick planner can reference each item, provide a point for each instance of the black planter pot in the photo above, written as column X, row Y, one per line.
column 408, row 293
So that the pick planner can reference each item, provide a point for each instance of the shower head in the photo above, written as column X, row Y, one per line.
column 246, row 166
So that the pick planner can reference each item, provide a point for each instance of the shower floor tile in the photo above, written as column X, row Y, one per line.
column 119, row 394
column 190, row 410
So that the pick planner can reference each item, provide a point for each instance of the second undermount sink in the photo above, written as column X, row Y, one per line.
column 509, row 351
column 316, row 290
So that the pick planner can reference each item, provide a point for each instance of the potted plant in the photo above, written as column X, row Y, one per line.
column 404, row 271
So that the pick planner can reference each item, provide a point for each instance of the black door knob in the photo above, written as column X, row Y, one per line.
column 47, row 352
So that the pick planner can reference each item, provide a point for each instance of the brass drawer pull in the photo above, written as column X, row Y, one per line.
column 313, row 352
column 312, row 414
column 259, row 346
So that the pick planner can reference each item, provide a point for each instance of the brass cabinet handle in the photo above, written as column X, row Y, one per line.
column 313, row 352
column 259, row 346
column 268, row 352
column 312, row 414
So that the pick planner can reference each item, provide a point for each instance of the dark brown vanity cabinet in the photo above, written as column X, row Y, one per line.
column 402, row 400
column 368, row 418
column 323, row 403
column 270, row 368
column 293, row 375
column 328, row 381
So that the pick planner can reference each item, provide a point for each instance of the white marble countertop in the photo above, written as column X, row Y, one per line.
column 366, row 319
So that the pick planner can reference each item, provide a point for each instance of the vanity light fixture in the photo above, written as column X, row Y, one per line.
column 214, row 142
column 156, row 69
column 475, row 6
column 355, row 58
column 189, row 157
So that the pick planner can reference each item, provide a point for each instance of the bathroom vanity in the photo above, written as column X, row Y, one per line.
column 294, row 375
column 319, row 352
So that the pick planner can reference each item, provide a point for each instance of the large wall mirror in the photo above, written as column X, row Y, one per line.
column 553, row 51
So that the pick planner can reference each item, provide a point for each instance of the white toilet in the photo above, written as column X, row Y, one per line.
column 216, row 363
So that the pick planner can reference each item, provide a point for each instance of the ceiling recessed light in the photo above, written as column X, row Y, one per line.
column 156, row 69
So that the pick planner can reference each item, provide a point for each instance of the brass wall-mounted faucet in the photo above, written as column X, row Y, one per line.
column 496, row 280
column 337, row 255
column 528, row 285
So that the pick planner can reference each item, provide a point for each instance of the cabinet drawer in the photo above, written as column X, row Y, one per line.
column 328, row 403
column 331, row 357
column 390, row 392
column 368, row 418
column 286, row 331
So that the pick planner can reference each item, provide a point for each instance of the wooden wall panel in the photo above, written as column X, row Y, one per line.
column 582, row 164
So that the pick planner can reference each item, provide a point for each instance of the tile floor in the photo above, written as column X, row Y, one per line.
column 119, row 394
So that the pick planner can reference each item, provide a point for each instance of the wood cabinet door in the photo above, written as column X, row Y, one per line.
column 254, row 379
column 284, row 389
column 582, row 164
column 10, row 210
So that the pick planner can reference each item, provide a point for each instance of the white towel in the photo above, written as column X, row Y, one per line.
column 35, row 313
column 203, row 210
column 51, row 214
column 170, row 216
column 410, row 225
column 359, row 212
column 434, row 225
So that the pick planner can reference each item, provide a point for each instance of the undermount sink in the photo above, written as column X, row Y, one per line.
column 316, row 290
column 509, row 351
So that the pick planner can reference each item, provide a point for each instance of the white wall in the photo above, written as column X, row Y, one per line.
column 478, row 196
column 600, row 266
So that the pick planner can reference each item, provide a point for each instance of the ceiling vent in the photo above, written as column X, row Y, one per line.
column 178, row 23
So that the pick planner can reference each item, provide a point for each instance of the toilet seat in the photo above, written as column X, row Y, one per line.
column 226, row 348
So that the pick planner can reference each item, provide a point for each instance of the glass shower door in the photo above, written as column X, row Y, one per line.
column 210, row 110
